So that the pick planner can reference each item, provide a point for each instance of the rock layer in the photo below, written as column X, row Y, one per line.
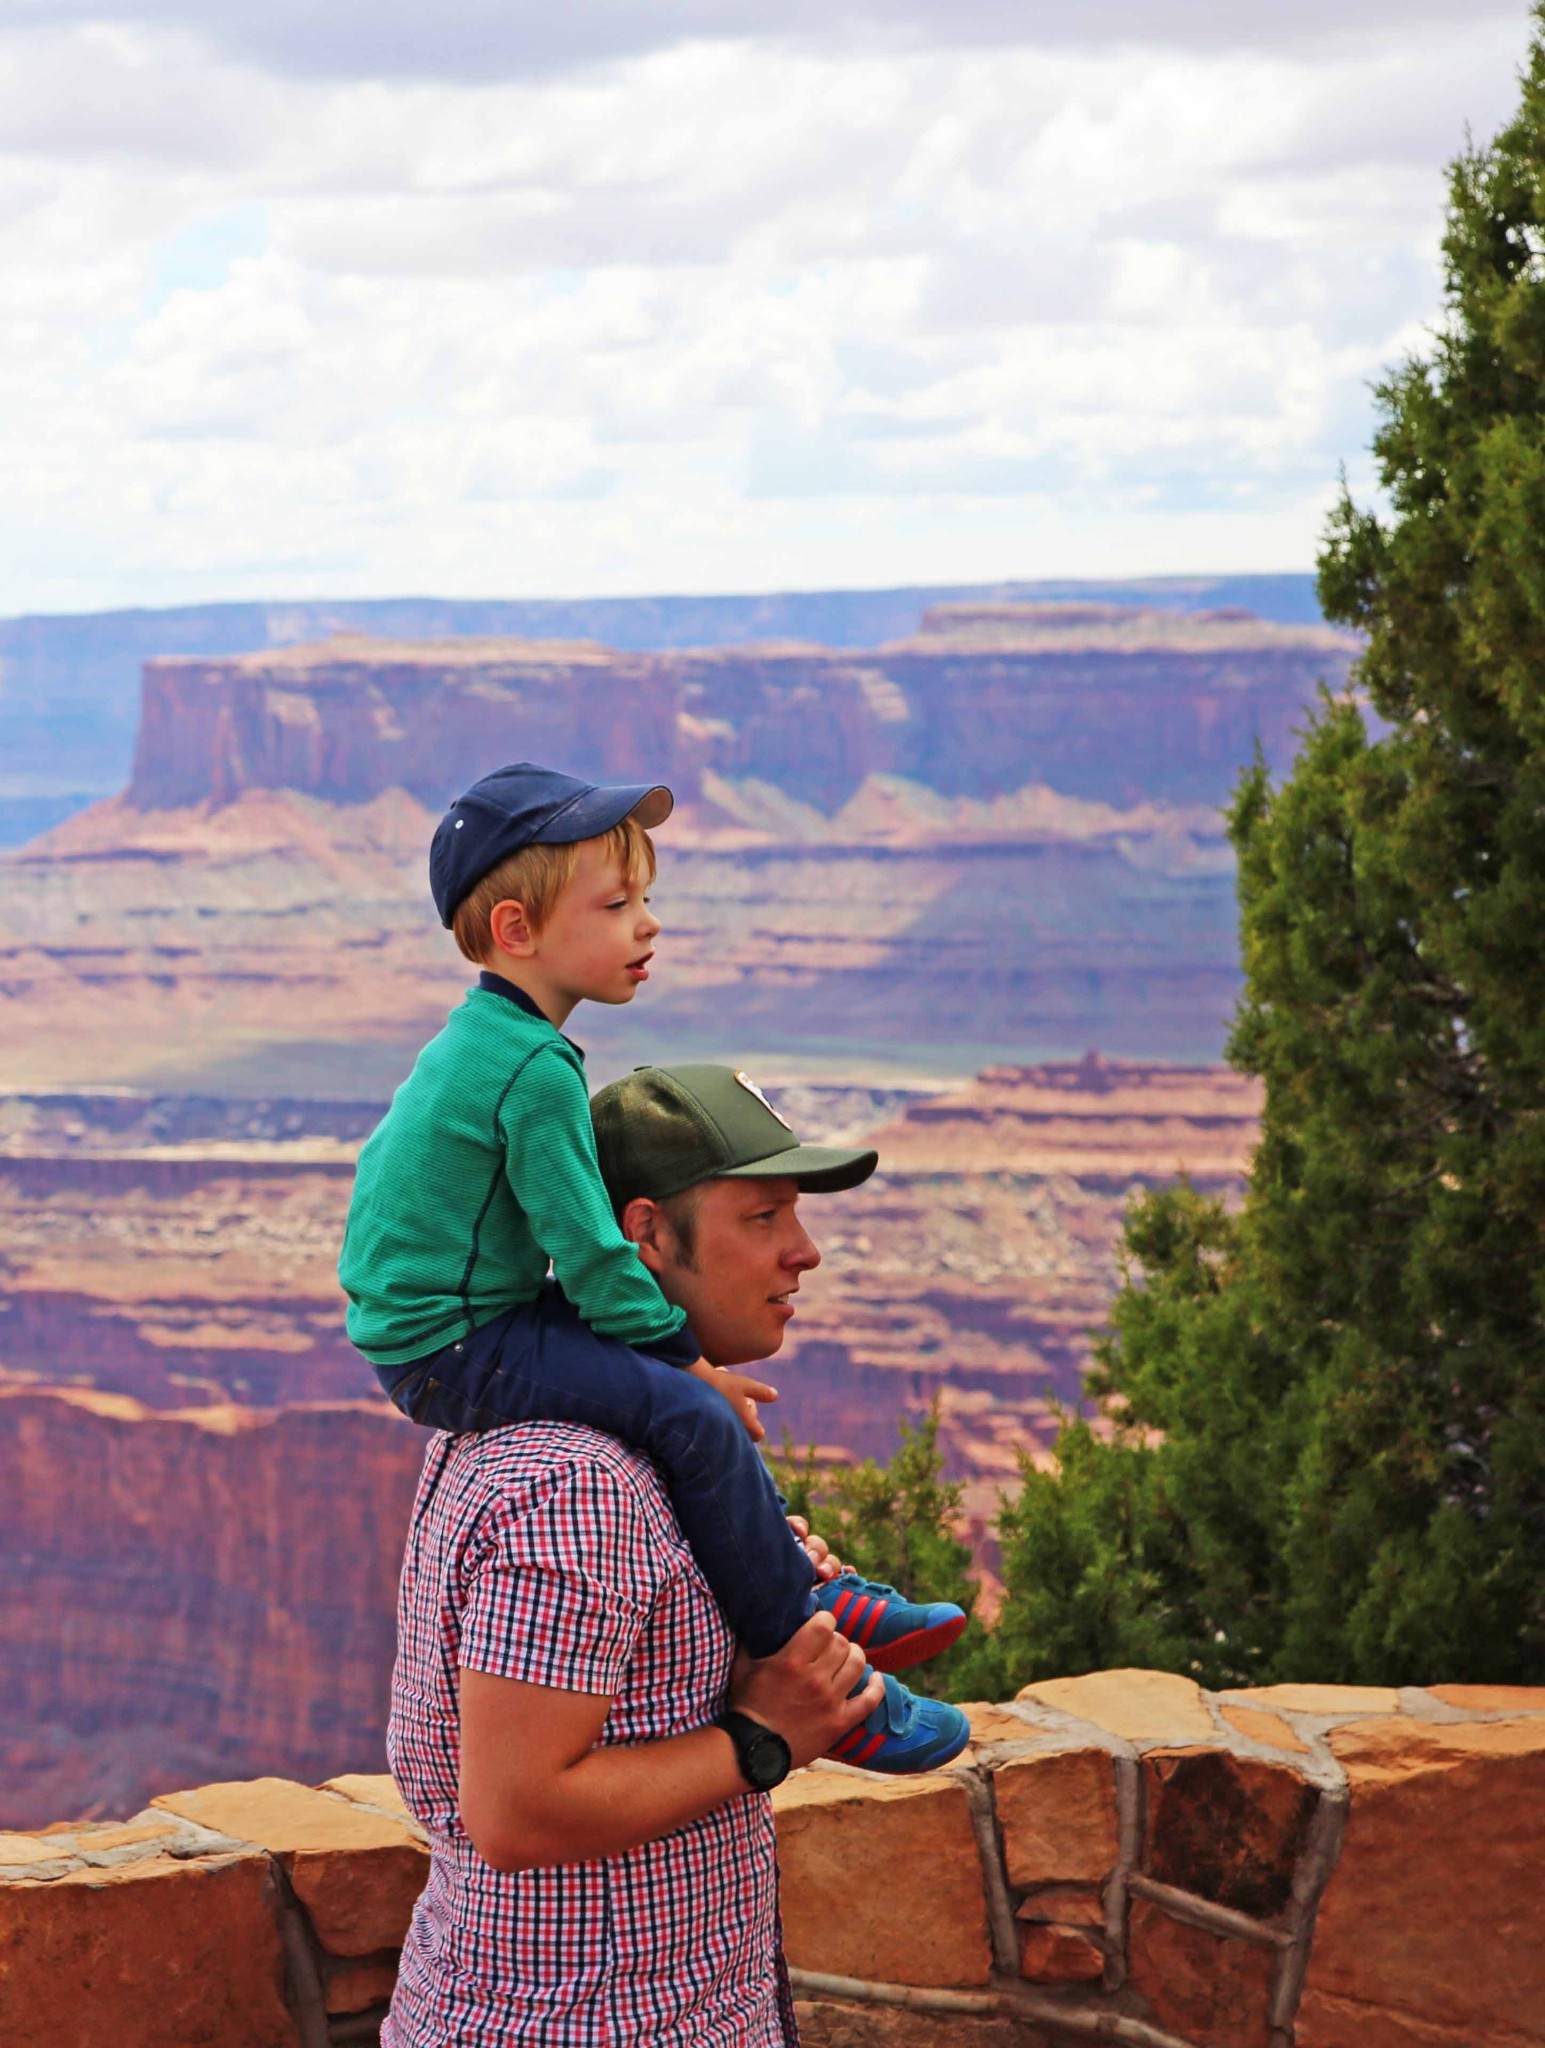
column 227, row 1603
column 983, row 700
column 1002, row 834
column 170, row 1266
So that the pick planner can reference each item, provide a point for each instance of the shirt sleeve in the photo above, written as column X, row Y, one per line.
column 561, row 1583
column 550, row 1159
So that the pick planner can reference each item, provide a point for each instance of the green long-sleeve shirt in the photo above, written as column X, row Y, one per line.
column 482, row 1172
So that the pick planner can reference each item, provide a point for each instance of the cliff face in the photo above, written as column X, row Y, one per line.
column 183, row 1254
column 1095, row 701
column 217, row 1586
column 201, row 1581
column 73, row 683
column 1000, row 837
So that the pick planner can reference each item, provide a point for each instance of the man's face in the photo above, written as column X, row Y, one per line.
column 749, row 1251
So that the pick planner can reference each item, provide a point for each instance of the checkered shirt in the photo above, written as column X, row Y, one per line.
column 550, row 1554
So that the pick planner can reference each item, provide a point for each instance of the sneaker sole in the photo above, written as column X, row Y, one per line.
column 916, row 1648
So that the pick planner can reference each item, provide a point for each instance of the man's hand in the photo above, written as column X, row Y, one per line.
column 741, row 1391
column 802, row 1692
column 816, row 1548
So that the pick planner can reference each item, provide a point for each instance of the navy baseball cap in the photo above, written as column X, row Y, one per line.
column 524, row 805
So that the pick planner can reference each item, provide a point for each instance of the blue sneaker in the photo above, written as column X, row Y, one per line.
column 894, row 1633
column 904, row 1733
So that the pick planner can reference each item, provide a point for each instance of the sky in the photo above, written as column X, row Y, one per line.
column 501, row 298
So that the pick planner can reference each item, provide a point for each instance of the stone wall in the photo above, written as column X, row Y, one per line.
column 1118, row 1858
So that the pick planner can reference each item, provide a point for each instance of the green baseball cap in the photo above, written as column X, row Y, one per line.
column 662, row 1129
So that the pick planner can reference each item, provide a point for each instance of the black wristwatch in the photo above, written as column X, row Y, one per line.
column 761, row 1752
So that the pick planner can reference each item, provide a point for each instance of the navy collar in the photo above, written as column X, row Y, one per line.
column 496, row 985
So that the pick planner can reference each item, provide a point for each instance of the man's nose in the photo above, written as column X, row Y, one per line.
column 803, row 1255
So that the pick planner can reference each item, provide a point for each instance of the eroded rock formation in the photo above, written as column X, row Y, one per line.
column 999, row 835
column 183, row 1253
column 226, row 1605
column 1104, row 702
column 188, row 1593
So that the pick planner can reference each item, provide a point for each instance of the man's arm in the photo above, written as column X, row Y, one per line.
column 535, row 1790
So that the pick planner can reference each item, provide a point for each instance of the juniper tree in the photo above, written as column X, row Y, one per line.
column 1329, row 1411
column 897, row 1522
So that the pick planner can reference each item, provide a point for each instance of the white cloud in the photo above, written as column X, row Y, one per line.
column 725, row 314
column 476, row 40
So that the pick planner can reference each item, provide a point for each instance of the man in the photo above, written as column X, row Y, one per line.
column 603, row 1864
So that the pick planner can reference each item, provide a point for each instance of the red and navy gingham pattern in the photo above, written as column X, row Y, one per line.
column 550, row 1554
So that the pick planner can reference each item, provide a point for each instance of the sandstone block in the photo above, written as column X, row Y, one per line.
column 831, row 2023
column 152, row 1953
column 18, row 1852
column 357, row 1873
column 1198, row 1985
column 359, row 1986
column 990, row 1723
column 1069, row 1905
column 1435, row 1912
column 1492, row 1699
column 1060, row 1955
column 924, row 1921
column 1266, row 1728
column 1227, row 1828
column 103, row 1841
column 1057, row 1812
column 1142, row 1706
column 375, row 1788
column 1327, row 2022
column 1324, row 1699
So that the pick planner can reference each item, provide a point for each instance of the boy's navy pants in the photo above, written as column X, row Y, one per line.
column 543, row 1363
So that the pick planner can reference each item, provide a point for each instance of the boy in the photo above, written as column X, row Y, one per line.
column 484, row 1171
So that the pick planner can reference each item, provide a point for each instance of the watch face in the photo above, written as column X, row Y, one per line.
column 765, row 1760
column 761, row 1752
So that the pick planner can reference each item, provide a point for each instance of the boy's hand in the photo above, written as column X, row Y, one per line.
column 816, row 1548
column 742, row 1393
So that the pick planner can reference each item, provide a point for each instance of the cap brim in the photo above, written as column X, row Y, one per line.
column 819, row 1169
column 598, row 810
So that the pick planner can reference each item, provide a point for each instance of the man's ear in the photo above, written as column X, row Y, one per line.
column 644, row 1226
column 510, row 932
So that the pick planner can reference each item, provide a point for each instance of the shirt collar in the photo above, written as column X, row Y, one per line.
column 496, row 985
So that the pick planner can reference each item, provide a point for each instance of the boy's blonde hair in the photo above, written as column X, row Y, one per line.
column 536, row 877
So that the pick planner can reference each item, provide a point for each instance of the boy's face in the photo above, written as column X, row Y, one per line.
column 599, row 939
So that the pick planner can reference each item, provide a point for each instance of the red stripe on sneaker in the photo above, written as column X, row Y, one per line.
column 849, row 1741
column 862, row 1756
column 841, row 1605
column 872, row 1623
column 855, row 1615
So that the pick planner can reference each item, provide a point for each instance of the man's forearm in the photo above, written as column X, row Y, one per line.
column 611, row 1800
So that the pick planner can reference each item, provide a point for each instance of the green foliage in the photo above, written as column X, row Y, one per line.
column 896, row 1522
column 1328, row 1457
column 1150, row 1540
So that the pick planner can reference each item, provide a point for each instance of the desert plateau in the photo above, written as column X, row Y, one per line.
column 912, row 884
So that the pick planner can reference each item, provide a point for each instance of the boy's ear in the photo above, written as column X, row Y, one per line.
column 508, row 929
